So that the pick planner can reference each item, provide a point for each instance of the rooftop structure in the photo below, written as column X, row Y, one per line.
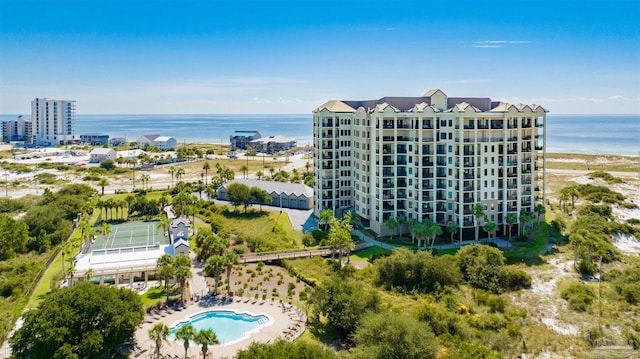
column 429, row 157
column 240, row 139
column 288, row 195
column 272, row 144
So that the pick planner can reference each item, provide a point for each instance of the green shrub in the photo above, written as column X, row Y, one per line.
column 587, row 268
column 579, row 296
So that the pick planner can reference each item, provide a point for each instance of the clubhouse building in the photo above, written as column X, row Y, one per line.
column 119, row 262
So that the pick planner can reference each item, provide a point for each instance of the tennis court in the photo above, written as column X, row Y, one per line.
column 131, row 234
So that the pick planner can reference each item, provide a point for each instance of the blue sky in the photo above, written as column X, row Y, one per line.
column 291, row 56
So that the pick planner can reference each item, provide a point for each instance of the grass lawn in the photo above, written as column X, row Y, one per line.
column 52, row 275
column 153, row 296
column 264, row 225
column 368, row 253
column 540, row 242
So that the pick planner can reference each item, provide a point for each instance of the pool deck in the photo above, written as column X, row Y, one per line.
column 288, row 323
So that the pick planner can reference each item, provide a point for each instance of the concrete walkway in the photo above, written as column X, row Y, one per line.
column 501, row 243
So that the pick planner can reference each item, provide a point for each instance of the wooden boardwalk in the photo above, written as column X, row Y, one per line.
column 295, row 253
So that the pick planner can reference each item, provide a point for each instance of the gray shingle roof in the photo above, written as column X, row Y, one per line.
column 297, row 189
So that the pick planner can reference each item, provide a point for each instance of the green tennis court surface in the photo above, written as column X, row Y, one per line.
column 130, row 234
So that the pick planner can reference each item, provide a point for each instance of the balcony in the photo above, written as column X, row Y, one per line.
column 441, row 208
column 327, row 147
column 539, row 123
column 469, row 164
column 539, row 148
column 327, row 124
column 327, row 166
column 469, row 153
column 469, row 126
column 387, row 173
column 483, row 127
column 427, row 163
column 388, row 162
column 468, row 200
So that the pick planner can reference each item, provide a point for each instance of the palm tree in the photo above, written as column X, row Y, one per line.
column 186, row 333
column 145, row 180
column 164, row 267
column 540, row 210
column 306, row 166
column 102, row 182
column 259, row 174
column 206, row 167
column 206, row 337
column 325, row 218
column 164, row 224
column 245, row 170
column 564, row 197
column 524, row 218
column 478, row 212
column 401, row 220
column 230, row 259
column 452, row 229
column 182, row 271
column 172, row 172
column 273, row 171
column 159, row 334
column 511, row 220
column 391, row 223
column 179, row 173
column 213, row 267
column 105, row 230
column 433, row 232
column 491, row 228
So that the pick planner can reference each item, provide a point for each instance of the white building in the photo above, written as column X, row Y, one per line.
column 432, row 157
column 98, row 155
column 162, row 142
column 53, row 121
column 20, row 130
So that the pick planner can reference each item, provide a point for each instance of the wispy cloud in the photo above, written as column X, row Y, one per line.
column 493, row 44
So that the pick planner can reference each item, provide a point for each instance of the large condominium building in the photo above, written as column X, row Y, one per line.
column 430, row 157
column 19, row 129
column 53, row 121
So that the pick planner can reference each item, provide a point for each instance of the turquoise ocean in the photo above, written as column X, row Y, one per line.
column 599, row 134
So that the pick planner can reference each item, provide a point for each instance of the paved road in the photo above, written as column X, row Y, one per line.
column 499, row 242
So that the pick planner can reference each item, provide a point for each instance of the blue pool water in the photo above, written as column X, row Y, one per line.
column 228, row 326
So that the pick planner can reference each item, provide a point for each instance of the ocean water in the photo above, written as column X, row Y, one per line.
column 600, row 134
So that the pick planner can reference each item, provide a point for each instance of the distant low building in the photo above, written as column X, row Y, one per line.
column 130, row 154
column 117, row 141
column 95, row 139
column 240, row 139
column 273, row 144
column 285, row 195
column 166, row 143
column 98, row 155
column 162, row 142
column 18, row 130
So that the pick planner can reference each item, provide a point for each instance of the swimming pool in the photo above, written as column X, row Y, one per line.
column 229, row 326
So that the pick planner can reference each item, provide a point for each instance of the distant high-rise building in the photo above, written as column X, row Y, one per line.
column 429, row 158
column 19, row 129
column 53, row 121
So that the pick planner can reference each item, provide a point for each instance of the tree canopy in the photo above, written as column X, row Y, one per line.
column 85, row 321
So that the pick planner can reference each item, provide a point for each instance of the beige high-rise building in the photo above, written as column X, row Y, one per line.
column 430, row 157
